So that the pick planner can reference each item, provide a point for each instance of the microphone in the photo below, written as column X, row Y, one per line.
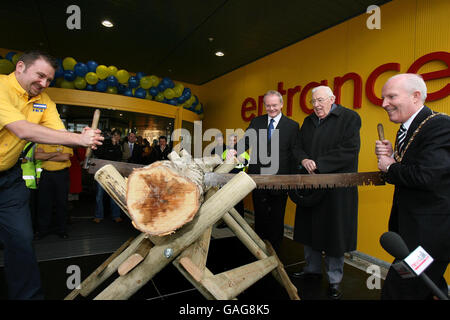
column 395, row 246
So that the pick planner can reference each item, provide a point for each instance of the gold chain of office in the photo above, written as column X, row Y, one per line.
column 398, row 157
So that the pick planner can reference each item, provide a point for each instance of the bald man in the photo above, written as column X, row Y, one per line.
column 419, row 166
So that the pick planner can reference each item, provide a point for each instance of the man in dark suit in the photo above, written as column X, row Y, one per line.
column 162, row 150
column 273, row 139
column 132, row 152
column 419, row 167
column 327, row 220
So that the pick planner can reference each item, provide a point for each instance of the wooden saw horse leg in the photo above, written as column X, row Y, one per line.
column 192, row 261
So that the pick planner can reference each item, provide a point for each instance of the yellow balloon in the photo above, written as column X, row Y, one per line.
column 91, row 78
column 112, row 70
column 122, row 76
column 79, row 83
column 155, row 80
column 69, row 63
column 190, row 101
column 112, row 90
column 169, row 93
column 159, row 97
column 145, row 82
column 102, row 72
column 6, row 66
column 15, row 58
column 67, row 84
column 178, row 89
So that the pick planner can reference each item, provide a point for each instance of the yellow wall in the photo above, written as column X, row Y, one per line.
column 409, row 30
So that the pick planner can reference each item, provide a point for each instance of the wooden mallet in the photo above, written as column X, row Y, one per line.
column 380, row 131
column 93, row 127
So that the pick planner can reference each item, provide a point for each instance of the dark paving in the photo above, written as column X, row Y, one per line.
column 90, row 244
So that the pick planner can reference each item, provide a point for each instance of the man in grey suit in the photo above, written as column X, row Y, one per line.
column 132, row 152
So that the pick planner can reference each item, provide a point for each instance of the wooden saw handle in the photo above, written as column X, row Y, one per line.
column 93, row 127
column 380, row 131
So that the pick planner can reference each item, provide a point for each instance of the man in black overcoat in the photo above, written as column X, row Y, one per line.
column 419, row 167
column 326, row 219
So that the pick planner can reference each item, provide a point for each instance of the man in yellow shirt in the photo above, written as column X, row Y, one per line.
column 53, row 188
column 27, row 114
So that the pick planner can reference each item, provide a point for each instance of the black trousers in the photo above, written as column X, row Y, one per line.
column 396, row 288
column 269, row 208
column 53, row 191
column 21, row 267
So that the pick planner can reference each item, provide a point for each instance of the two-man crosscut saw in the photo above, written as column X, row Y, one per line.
column 283, row 182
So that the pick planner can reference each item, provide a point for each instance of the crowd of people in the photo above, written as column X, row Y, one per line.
column 328, row 141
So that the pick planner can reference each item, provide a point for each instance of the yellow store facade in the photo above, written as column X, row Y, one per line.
column 355, row 62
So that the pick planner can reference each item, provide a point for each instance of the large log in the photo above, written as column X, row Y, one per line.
column 164, row 252
column 164, row 196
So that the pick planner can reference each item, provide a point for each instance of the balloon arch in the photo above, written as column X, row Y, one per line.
column 91, row 76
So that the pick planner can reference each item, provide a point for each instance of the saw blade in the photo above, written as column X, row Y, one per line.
column 302, row 181
column 283, row 182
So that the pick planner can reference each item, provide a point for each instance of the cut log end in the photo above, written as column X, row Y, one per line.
column 160, row 199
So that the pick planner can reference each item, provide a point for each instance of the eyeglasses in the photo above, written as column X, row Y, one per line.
column 269, row 106
column 319, row 100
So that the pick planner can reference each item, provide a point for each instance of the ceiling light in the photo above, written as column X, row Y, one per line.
column 107, row 23
column 220, row 54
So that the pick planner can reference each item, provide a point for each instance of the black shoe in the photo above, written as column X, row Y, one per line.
column 63, row 235
column 333, row 291
column 307, row 275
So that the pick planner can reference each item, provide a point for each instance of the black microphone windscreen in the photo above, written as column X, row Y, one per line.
column 394, row 245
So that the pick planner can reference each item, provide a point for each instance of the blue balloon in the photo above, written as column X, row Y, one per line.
column 153, row 91
column 112, row 81
column 90, row 87
column 81, row 69
column 186, row 93
column 195, row 102
column 181, row 99
column 59, row 60
column 140, row 93
column 128, row 92
column 10, row 55
column 101, row 86
column 172, row 102
column 133, row 82
column 161, row 87
column 92, row 66
column 121, row 88
column 59, row 73
column 52, row 84
column 199, row 111
column 69, row 75
column 139, row 75
column 168, row 83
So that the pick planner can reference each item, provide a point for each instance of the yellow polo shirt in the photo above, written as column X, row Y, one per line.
column 15, row 105
column 55, row 165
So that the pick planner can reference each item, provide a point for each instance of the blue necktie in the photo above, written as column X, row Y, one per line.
column 270, row 128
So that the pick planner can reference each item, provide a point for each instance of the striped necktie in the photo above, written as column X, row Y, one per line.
column 270, row 128
column 401, row 135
